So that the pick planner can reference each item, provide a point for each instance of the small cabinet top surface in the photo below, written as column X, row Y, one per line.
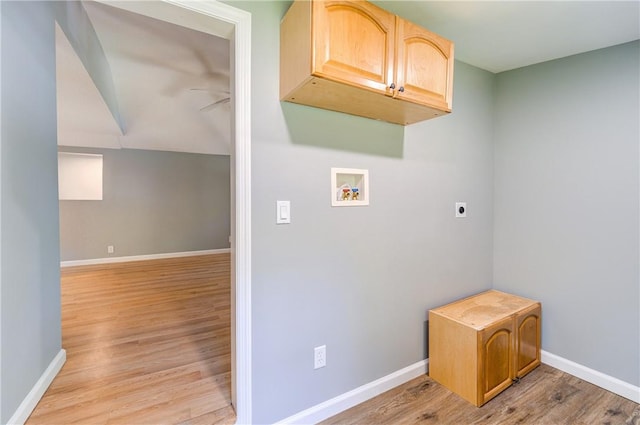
column 482, row 310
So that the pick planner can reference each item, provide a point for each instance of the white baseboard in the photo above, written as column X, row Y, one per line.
column 31, row 400
column 609, row 383
column 107, row 260
column 363, row 393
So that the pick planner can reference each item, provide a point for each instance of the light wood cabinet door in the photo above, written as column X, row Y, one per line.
column 527, row 353
column 353, row 42
column 424, row 66
column 496, row 359
column 343, row 55
column 480, row 344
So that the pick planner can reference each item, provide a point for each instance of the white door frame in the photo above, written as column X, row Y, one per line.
column 228, row 22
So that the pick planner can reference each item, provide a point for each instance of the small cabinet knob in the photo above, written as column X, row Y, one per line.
column 401, row 89
column 392, row 86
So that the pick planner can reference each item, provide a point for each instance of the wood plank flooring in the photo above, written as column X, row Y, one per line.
column 546, row 396
column 148, row 342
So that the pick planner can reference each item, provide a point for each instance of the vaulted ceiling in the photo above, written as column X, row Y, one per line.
column 172, row 83
column 172, row 87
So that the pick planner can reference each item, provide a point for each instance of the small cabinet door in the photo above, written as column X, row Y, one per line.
column 354, row 42
column 424, row 67
column 527, row 352
column 496, row 359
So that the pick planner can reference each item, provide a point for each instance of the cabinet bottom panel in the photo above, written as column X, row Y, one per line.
column 336, row 96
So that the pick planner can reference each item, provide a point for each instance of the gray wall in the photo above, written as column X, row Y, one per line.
column 361, row 279
column 566, row 203
column 153, row 202
column 29, row 259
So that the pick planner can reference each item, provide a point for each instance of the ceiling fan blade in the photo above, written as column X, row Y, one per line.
column 215, row 104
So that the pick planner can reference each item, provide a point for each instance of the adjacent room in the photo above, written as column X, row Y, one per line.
column 144, row 225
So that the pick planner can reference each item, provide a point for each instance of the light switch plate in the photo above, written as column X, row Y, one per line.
column 283, row 212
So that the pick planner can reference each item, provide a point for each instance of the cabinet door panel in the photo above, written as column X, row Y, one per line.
column 496, row 344
column 528, row 340
column 354, row 43
column 425, row 66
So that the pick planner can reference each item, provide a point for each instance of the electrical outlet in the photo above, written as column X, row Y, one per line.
column 110, row 249
column 320, row 357
column 461, row 209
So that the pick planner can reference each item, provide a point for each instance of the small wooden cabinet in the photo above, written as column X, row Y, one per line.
column 479, row 345
column 354, row 57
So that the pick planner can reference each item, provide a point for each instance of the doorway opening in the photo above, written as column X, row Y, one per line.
column 234, row 25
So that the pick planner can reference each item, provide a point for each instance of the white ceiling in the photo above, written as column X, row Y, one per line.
column 165, row 74
column 504, row 35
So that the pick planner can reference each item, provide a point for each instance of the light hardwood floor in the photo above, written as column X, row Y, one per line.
column 546, row 396
column 147, row 342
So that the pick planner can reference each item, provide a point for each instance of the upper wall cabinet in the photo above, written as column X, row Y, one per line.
column 354, row 57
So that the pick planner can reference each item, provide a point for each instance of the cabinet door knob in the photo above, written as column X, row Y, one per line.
column 392, row 86
column 401, row 89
